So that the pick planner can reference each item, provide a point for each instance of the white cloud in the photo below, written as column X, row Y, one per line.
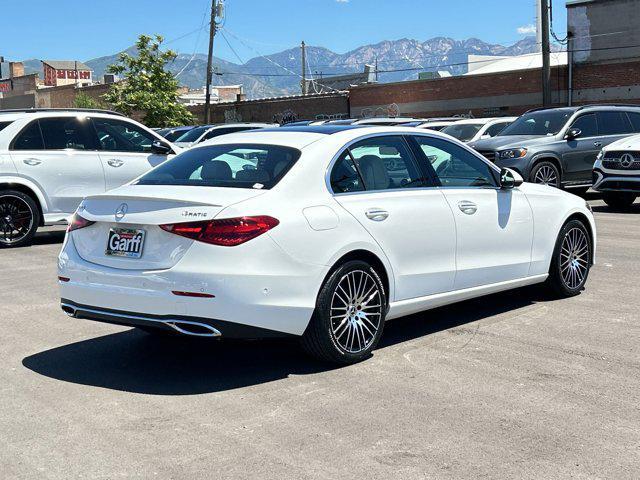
column 342, row 1
column 527, row 29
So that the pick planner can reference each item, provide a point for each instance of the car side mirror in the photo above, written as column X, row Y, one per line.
column 160, row 148
column 573, row 133
column 509, row 178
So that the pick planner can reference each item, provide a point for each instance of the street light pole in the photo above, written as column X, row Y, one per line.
column 546, row 53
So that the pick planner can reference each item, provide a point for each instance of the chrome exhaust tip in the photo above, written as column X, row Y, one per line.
column 68, row 309
column 194, row 329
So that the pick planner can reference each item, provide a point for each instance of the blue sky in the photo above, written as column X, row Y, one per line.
column 84, row 29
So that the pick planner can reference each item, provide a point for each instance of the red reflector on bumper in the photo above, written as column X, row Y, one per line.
column 193, row 294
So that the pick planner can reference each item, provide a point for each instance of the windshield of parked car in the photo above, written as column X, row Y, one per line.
column 193, row 135
column 235, row 165
column 463, row 132
column 174, row 135
column 542, row 122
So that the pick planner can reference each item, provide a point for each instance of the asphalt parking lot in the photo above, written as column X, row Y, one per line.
column 513, row 385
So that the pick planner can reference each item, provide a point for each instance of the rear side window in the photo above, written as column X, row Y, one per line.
column 235, row 165
column 66, row 133
column 4, row 125
column 613, row 123
column 587, row 124
column 29, row 138
column 345, row 177
column 224, row 131
column 495, row 129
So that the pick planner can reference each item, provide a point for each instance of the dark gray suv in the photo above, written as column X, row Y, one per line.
column 558, row 146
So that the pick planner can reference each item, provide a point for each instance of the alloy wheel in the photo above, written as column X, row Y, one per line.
column 546, row 175
column 574, row 258
column 356, row 311
column 16, row 219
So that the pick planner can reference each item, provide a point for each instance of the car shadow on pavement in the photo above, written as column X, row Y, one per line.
column 134, row 361
column 633, row 209
column 49, row 237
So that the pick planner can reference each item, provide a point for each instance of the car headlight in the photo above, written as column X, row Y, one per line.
column 512, row 153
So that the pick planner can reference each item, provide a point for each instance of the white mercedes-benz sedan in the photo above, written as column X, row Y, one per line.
column 323, row 233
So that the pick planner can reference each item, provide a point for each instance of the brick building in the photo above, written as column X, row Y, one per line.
column 66, row 72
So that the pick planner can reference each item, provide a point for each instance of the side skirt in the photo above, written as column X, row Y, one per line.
column 415, row 305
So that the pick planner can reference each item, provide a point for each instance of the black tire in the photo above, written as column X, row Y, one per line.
column 619, row 200
column 325, row 336
column 563, row 280
column 546, row 173
column 19, row 219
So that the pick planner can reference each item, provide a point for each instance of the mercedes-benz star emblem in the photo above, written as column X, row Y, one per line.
column 121, row 211
column 626, row 160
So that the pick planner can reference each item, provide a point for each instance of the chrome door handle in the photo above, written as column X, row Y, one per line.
column 32, row 161
column 468, row 208
column 114, row 162
column 377, row 214
column 597, row 144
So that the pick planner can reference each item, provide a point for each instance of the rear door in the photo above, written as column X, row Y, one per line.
column 379, row 182
column 60, row 155
column 494, row 227
column 125, row 150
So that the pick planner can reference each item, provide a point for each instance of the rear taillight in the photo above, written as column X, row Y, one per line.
column 227, row 232
column 77, row 222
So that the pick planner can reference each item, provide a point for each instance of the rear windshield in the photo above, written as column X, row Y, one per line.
column 237, row 165
column 543, row 122
column 463, row 131
column 4, row 125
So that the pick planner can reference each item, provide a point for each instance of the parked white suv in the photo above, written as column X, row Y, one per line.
column 51, row 159
column 616, row 172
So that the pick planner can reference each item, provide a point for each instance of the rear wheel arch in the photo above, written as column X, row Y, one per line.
column 20, row 187
column 368, row 257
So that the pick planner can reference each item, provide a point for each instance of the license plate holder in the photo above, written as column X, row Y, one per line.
column 125, row 242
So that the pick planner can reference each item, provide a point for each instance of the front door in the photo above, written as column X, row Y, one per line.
column 494, row 227
column 125, row 150
column 413, row 225
column 59, row 154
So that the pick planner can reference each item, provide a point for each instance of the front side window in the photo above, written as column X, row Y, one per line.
column 542, row 122
column 345, row 177
column 634, row 117
column 66, row 133
column 121, row 136
column 587, row 124
column 454, row 166
column 613, row 123
column 463, row 131
column 238, row 166
column 386, row 163
column 29, row 139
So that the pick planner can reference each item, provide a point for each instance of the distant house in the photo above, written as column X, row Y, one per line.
column 66, row 72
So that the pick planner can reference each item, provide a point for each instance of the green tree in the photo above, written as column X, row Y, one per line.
column 83, row 100
column 147, row 86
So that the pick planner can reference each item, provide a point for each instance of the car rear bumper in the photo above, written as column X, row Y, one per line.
column 186, row 325
column 245, row 297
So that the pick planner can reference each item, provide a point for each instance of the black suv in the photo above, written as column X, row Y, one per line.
column 558, row 146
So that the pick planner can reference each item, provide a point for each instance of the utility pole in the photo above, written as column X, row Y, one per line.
column 212, row 34
column 546, row 53
column 303, row 48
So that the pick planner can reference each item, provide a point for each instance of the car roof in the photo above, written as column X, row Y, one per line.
column 483, row 121
column 301, row 137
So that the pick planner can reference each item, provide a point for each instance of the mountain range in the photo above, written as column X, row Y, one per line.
column 397, row 60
